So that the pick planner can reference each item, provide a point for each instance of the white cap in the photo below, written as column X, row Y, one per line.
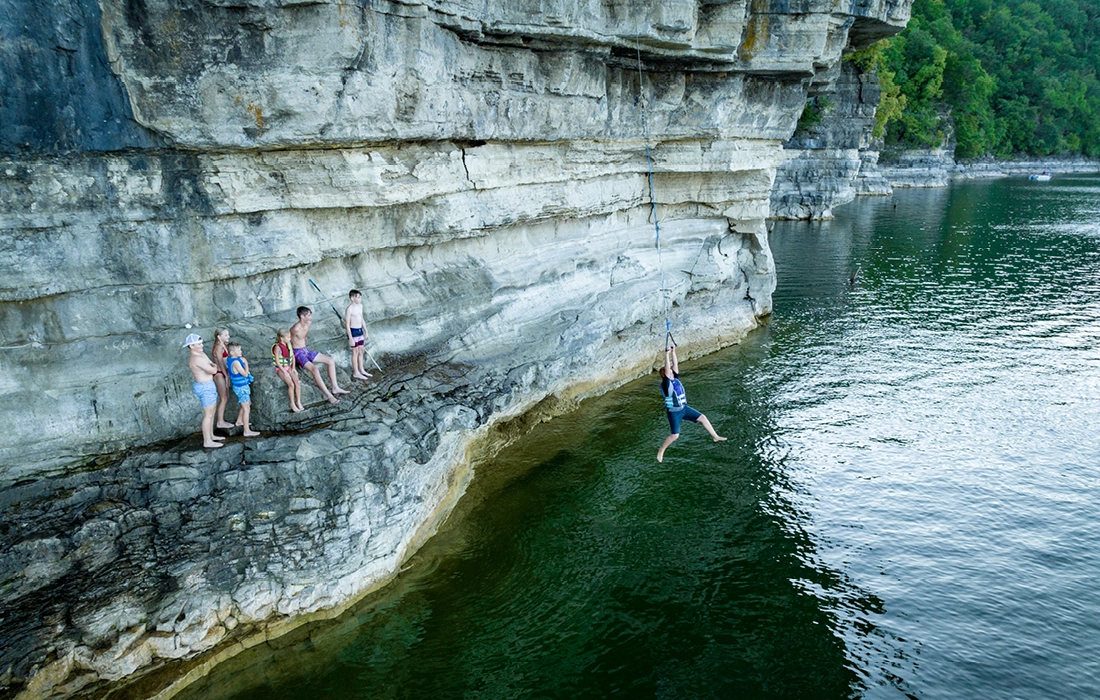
column 192, row 339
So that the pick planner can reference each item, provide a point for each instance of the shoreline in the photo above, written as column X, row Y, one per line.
column 937, row 168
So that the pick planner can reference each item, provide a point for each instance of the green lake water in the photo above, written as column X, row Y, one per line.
column 907, row 505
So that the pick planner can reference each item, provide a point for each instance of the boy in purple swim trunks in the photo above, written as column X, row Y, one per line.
column 203, row 370
column 676, row 403
column 299, row 336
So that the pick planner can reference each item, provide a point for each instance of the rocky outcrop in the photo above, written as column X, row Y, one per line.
column 937, row 167
column 833, row 158
column 477, row 169
column 920, row 168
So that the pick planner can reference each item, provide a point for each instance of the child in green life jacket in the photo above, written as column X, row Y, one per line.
column 241, row 379
column 676, row 403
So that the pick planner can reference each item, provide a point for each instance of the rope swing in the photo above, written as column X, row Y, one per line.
column 641, row 102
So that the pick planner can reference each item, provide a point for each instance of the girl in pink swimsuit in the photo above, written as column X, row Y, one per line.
column 286, row 367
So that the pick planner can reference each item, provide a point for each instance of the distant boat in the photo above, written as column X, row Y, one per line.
column 1041, row 177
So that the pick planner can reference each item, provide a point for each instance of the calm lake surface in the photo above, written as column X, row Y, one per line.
column 907, row 505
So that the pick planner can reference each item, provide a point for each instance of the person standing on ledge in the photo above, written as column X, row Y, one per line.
column 204, row 370
column 357, row 334
column 676, row 403
column 299, row 334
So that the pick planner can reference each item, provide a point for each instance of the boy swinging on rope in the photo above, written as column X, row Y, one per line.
column 676, row 403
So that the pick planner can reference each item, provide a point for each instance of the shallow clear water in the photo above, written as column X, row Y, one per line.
column 907, row 504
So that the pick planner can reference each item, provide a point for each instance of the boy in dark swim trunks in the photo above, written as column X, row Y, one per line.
column 299, row 335
column 676, row 403
column 357, row 333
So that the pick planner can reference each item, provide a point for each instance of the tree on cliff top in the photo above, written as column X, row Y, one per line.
column 1014, row 76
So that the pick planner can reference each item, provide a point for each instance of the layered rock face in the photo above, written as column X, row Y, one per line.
column 479, row 170
column 835, row 159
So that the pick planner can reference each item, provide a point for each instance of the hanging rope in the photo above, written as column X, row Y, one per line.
column 641, row 102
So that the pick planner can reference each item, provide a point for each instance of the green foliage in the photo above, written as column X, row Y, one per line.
column 1014, row 76
column 815, row 109
column 892, row 103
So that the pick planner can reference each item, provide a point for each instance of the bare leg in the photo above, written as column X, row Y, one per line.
column 246, row 409
column 297, row 391
column 357, row 370
column 710, row 429
column 312, row 367
column 223, row 398
column 332, row 374
column 208, row 428
column 664, row 446
column 288, row 379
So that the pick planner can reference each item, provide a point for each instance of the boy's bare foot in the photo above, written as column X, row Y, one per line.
column 219, row 438
column 295, row 409
column 720, row 439
column 251, row 433
column 333, row 400
column 212, row 445
column 340, row 391
column 364, row 377
column 301, row 408
column 223, row 425
column 660, row 456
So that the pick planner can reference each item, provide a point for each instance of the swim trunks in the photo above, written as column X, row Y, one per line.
column 244, row 393
column 357, row 337
column 207, row 393
column 680, row 414
column 304, row 355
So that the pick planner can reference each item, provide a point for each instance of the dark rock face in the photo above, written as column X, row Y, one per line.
column 161, row 551
column 59, row 94
column 479, row 170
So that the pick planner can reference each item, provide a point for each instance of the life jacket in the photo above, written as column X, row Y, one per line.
column 280, row 355
column 676, row 398
column 237, row 379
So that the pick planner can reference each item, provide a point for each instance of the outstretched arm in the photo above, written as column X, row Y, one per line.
column 675, row 362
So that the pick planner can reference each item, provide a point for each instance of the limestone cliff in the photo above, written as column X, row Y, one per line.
column 478, row 169
column 835, row 158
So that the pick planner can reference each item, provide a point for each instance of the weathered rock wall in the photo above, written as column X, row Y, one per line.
column 476, row 169
column 836, row 159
